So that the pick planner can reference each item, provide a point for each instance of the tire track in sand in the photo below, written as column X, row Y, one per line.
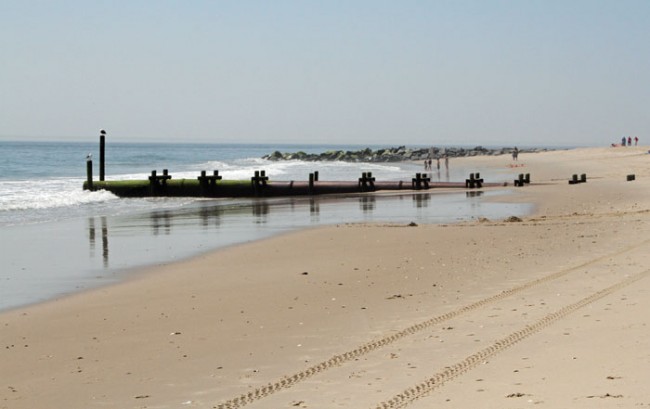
column 425, row 387
column 340, row 359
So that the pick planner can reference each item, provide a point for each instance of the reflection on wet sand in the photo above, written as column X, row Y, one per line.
column 314, row 209
column 161, row 220
column 234, row 220
column 91, row 238
column 421, row 200
column 367, row 204
column 210, row 215
column 261, row 210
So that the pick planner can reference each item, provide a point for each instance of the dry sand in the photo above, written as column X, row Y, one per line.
column 550, row 311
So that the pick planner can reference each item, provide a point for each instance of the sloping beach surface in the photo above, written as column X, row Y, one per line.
column 550, row 310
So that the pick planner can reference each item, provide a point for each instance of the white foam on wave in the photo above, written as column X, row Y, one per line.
column 299, row 170
column 27, row 195
column 244, row 169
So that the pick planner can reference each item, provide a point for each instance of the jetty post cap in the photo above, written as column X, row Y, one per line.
column 103, row 132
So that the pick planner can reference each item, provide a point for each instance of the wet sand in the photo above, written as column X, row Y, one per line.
column 549, row 309
column 107, row 248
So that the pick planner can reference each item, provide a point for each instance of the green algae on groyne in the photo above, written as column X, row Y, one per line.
column 259, row 185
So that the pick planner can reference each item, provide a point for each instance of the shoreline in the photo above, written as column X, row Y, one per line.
column 107, row 247
column 178, row 335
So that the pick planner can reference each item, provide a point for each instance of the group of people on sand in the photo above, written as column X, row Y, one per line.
column 629, row 141
column 428, row 163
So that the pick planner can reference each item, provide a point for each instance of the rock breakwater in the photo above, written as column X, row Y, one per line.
column 399, row 154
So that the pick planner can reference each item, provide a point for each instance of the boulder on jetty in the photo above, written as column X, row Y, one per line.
column 399, row 154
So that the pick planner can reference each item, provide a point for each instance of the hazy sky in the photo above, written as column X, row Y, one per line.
column 485, row 72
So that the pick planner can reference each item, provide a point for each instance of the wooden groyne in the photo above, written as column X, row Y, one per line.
column 259, row 185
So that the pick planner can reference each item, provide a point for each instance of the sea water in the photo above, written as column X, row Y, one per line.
column 56, row 238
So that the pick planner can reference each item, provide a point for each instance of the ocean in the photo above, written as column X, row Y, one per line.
column 57, row 239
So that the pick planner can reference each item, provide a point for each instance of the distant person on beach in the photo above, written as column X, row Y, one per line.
column 636, row 140
column 515, row 154
column 629, row 141
column 430, row 163
column 438, row 164
column 446, row 162
column 623, row 141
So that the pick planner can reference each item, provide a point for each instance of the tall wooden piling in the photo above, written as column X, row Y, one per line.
column 102, row 146
column 89, row 173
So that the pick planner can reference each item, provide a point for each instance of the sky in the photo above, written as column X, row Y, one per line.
column 484, row 72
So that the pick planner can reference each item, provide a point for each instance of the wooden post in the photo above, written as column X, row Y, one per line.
column 215, row 178
column 203, row 181
column 153, row 183
column 312, row 177
column 469, row 183
column 89, row 173
column 102, row 146
column 315, row 176
column 425, row 181
column 259, row 181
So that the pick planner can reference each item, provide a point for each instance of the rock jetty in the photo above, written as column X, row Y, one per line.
column 399, row 154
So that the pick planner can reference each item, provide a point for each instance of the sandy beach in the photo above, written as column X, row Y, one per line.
column 550, row 310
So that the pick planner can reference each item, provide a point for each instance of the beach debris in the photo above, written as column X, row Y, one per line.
column 413, row 224
column 515, row 395
column 305, row 273
column 142, row 397
column 607, row 395
column 175, row 333
column 396, row 296
column 513, row 219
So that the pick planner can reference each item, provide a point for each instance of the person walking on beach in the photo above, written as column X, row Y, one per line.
column 446, row 162
column 438, row 164
column 515, row 154
column 629, row 141
column 623, row 141
column 636, row 140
